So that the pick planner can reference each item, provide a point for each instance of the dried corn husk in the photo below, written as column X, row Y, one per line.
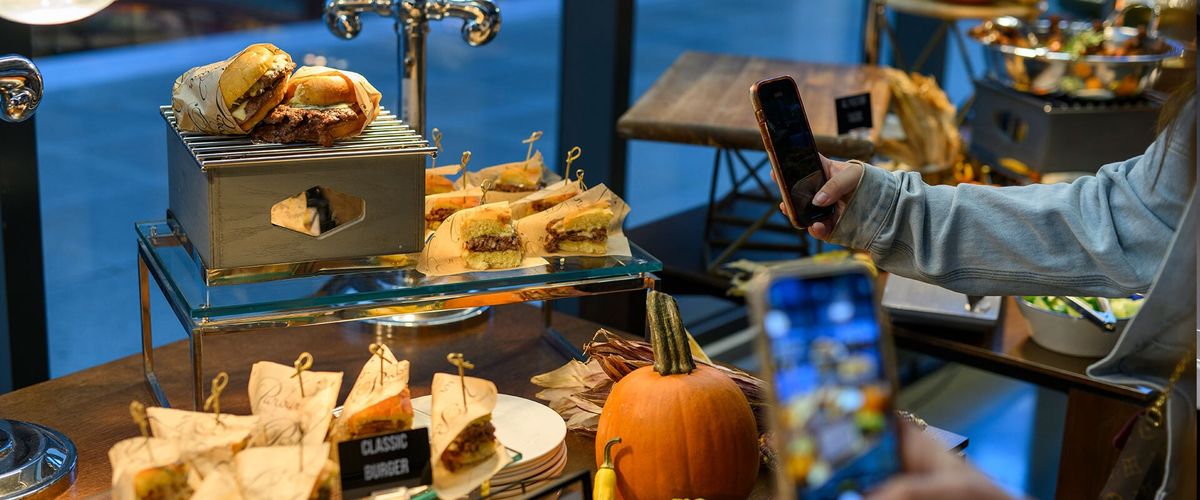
column 931, row 141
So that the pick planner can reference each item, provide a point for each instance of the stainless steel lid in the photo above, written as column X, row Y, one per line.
column 387, row 135
column 35, row 461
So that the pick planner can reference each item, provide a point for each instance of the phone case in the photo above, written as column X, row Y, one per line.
column 769, row 145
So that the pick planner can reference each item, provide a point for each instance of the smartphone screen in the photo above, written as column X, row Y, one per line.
column 836, row 433
column 795, row 150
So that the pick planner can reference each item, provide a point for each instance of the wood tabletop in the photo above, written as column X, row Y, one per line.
column 91, row 406
column 952, row 11
column 704, row 99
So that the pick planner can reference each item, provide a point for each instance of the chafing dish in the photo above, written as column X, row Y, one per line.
column 1040, row 71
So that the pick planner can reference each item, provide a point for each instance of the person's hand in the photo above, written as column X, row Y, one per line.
column 931, row 473
column 843, row 180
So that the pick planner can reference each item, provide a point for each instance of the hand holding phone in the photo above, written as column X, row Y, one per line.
column 790, row 145
column 830, row 367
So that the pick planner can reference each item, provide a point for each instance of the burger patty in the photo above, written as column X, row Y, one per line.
column 259, row 93
column 493, row 243
column 468, row 444
column 597, row 235
column 440, row 214
column 517, row 188
column 286, row 124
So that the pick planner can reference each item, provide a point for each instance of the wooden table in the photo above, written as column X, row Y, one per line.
column 91, row 406
column 704, row 99
column 1095, row 410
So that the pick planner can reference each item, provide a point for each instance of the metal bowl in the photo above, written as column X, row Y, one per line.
column 1041, row 71
column 1064, row 334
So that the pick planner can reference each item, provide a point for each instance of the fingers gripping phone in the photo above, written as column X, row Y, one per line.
column 789, row 142
column 830, row 368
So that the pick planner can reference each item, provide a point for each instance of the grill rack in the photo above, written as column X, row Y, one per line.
column 387, row 134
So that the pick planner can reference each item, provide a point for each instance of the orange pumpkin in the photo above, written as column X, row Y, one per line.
column 686, row 431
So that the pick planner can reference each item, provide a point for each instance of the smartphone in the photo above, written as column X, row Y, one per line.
column 831, row 372
column 791, row 148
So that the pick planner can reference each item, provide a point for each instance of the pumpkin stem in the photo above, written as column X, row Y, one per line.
column 668, row 338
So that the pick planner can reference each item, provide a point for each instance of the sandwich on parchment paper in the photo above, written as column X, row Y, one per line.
column 488, row 238
column 379, row 401
column 437, row 184
column 148, row 469
column 583, row 229
column 204, row 442
column 440, row 207
column 321, row 105
column 232, row 96
column 287, row 473
column 462, row 440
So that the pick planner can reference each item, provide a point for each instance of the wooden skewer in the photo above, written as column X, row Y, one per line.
column 456, row 359
column 302, row 364
column 214, row 397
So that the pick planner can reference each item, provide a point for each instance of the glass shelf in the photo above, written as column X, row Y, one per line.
column 370, row 292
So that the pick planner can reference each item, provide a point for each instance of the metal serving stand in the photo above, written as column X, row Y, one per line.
column 315, row 299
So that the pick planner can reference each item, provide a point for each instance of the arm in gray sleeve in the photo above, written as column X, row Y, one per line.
column 1101, row 235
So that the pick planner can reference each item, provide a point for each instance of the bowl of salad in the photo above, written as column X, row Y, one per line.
column 1056, row 326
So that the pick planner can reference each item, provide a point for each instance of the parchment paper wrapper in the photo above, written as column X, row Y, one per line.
column 196, row 99
column 533, row 228
column 366, row 96
column 368, row 390
column 205, row 444
column 280, row 472
column 470, row 192
column 442, row 255
column 448, row 418
column 221, row 484
column 131, row 456
column 523, row 207
column 493, row 172
column 285, row 416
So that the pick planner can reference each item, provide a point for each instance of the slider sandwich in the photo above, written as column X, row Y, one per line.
column 488, row 238
column 441, row 208
column 462, row 435
column 437, row 184
column 248, row 84
column 520, row 177
column 583, row 229
column 321, row 105
column 380, row 400
column 148, row 469
column 552, row 200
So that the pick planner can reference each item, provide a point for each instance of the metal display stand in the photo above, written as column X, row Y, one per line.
column 206, row 311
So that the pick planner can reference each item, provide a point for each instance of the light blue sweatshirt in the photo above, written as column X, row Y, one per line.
column 1107, row 235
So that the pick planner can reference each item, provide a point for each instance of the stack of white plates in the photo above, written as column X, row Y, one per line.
column 527, row 428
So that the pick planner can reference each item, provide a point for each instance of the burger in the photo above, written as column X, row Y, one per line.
column 583, row 230
column 437, row 184
column 552, row 200
column 520, row 177
column 476, row 443
column 441, row 208
column 320, row 105
column 254, row 82
column 488, row 238
column 394, row 413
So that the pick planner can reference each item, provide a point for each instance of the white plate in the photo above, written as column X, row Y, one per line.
column 510, row 474
column 529, row 427
column 535, row 483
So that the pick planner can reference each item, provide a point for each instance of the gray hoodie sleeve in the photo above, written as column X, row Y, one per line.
column 1102, row 235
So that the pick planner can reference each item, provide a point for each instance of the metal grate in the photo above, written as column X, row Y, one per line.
column 386, row 135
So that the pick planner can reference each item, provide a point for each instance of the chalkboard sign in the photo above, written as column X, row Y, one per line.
column 853, row 112
column 384, row 461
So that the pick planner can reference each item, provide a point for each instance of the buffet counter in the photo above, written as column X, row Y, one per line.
column 91, row 406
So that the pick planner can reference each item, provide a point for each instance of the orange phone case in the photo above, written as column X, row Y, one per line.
column 788, row 209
